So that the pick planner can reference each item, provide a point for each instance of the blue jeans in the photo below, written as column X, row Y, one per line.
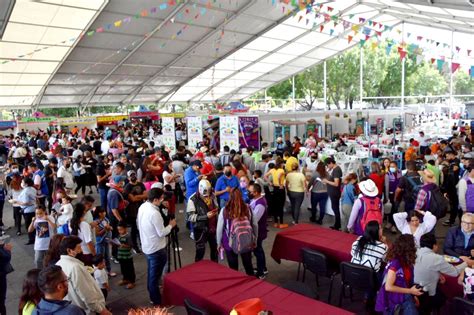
column 260, row 256
column 222, row 203
column 104, row 249
column 103, row 197
column 321, row 199
column 156, row 263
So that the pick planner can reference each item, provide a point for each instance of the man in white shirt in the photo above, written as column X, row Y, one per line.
column 429, row 270
column 153, row 238
column 423, row 140
column 105, row 147
column 65, row 173
column 83, row 290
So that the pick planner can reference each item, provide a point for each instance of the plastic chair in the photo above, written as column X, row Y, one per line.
column 316, row 263
column 192, row 309
column 357, row 277
column 300, row 288
column 462, row 306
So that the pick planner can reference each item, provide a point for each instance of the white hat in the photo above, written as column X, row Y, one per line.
column 368, row 188
column 157, row 185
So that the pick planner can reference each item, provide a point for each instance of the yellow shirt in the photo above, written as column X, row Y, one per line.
column 295, row 181
column 275, row 173
column 289, row 163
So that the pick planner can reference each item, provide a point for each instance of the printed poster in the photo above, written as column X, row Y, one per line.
column 249, row 132
column 168, row 135
column 194, row 131
column 229, row 132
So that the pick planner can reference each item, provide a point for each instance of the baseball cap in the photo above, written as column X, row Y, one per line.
column 200, row 155
column 131, row 172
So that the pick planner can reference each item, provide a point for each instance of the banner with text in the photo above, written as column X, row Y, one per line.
column 229, row 132
column 194, row 131
column 168, row 133
column 249, row 132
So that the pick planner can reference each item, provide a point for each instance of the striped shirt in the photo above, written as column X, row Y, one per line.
column 372, row 255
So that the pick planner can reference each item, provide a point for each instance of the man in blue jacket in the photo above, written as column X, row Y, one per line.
column 53, row 282
column 460, row 239
column 224, row 185
column 192, row 176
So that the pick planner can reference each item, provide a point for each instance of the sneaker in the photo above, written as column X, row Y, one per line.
column 123, row 282
column 112, row 274
column 265, row 271
column 18, row 233
column 191, row 235
column 130, row 286
column 448, row 223
column 114, row 260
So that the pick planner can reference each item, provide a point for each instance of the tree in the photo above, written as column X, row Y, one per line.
column 426, row 81
column 309, row 86
column 463, row 83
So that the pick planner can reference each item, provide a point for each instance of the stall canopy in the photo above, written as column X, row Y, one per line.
column 81, row 53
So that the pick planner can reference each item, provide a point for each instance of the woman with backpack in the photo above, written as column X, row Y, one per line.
column 396, row 295
column 237, row 232
column 367, row 207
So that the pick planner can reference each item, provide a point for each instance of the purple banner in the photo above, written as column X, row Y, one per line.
column 249, row 132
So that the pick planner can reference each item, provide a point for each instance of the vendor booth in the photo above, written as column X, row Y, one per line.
column 65, row 124
column 288, row 129
column 145, row 115
column 112, row 121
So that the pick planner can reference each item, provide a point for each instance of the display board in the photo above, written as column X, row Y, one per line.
column 249, row 132
column 194, row 131
column 168, row 133
column 229, row 132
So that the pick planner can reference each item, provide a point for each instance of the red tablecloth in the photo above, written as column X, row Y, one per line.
column 335, row 245
column 218, row 288
column 451, row 288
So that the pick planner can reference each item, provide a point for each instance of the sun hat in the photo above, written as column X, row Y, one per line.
column 368, row 188
column 428, row 176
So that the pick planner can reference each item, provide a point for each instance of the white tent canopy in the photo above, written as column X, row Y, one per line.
column 190, row 51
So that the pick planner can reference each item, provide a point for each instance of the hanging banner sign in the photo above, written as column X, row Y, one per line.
column 7, row 124
column 39, row 119
column 194, row 131
column 168, row 133
column 249, row 132
column 229, row 132
column 110, row 119
column 153, row 115
column 71, row 121
column 174, row 115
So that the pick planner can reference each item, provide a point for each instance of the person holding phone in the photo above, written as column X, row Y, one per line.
column 202, row 211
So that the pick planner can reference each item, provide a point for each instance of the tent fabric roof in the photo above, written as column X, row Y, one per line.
column 192, row 51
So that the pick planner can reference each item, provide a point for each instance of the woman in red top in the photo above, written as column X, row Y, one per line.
column 377, row 177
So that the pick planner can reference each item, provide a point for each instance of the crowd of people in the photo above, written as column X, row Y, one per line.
column 229, row 198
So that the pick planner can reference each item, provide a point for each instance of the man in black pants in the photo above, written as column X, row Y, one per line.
column 334, row 189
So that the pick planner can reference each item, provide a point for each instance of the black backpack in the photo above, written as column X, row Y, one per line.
column 437, row 203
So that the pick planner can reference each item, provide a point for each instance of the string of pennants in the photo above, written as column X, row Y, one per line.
column 180, row 16
column 371, row 31
column 374, row 28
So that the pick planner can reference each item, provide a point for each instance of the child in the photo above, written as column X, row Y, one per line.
column 100, row 274
column 43, row 224
column 466, row 279
column 124, row 256
column 103, row 233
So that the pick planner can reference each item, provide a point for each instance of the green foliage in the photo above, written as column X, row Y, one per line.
column 382, row 70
